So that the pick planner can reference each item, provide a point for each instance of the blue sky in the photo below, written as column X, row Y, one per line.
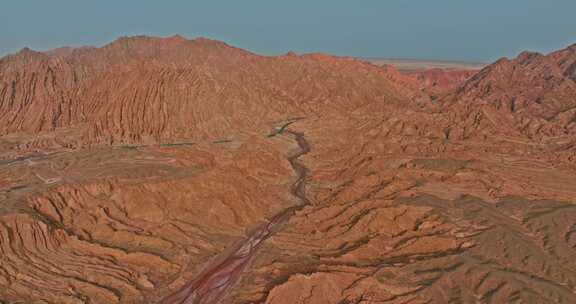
column 432, row 29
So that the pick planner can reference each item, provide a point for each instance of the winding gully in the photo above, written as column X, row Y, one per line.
column 211, row 285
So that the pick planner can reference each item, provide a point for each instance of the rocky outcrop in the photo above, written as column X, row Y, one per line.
column 439, row 82
column 532, row 95
column 36, row 93
column 566, row 60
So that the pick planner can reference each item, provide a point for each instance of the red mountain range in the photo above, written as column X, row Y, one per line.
column 168, row 170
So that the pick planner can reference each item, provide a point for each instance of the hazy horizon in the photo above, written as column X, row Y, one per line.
column 444, row 30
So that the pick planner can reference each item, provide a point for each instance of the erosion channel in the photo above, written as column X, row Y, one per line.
column 210, row 286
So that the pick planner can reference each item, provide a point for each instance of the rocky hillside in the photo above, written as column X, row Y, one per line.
column 533, row 95
column 168, row 170
column 151, row 89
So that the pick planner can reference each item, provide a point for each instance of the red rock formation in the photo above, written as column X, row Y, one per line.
column 149, row 89
column 532, row 94
column 160, row 169
column 35, row 93
column 439, row 81
column 566, row 59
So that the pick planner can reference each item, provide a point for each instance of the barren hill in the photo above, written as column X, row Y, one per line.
column 533, row 95
column 168, row 170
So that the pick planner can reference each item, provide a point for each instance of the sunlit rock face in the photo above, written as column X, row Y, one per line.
column 167, row 170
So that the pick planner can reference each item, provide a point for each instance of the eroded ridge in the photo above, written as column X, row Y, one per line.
column 212, row 284
column 121, row 224
column 406, row 223
column 134, row 170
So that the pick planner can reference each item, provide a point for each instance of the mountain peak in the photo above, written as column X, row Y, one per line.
column 173, row 41
column 25, row 55
column 177, row 38
column 26, row 51
column 528, row 56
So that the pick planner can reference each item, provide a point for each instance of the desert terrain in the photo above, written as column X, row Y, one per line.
column 174, row 170
column 415, row 65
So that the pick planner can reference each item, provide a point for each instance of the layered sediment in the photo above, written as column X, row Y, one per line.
column 141, row 172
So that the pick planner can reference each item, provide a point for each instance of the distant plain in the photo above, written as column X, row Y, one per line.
column 411, row 65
